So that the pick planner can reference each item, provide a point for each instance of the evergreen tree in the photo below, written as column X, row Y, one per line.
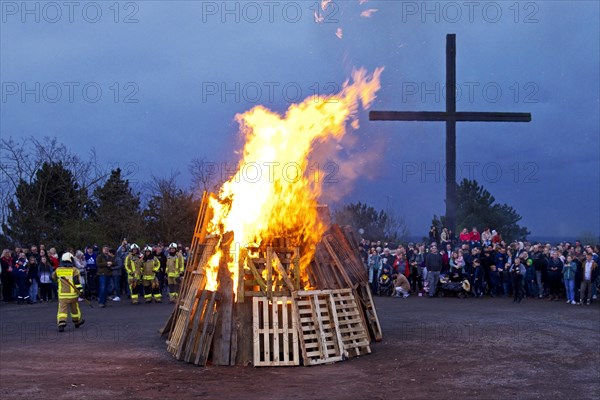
column 477, row 207
column 116, row 212
column 43, row 208
column 377, row 225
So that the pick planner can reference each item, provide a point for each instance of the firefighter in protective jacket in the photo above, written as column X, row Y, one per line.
column 133, row 266
column 150, row 266
column 69, row 290
column 175, row 268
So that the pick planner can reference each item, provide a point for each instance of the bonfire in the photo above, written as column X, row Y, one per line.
column 270, row 281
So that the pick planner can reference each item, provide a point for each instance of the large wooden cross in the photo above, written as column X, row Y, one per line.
column 451, row 116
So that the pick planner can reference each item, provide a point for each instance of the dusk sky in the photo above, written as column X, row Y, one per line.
column 173, row 75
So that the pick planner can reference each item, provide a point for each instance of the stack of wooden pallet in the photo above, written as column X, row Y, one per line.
column 273, row 319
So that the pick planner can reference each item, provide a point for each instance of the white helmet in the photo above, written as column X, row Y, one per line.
column 173, row 245
column 148, row 248
column 134, row 247
column 66, row 258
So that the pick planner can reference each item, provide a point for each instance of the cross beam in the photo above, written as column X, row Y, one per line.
column 450, row 116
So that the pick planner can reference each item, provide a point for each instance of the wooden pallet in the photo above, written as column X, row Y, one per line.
column 187, row 305
column 368, row 307
column 320, row 338
column 275, row 332
column 197, row 343
column 351, row 324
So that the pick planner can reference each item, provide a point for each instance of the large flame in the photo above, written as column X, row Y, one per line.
column 274, row 194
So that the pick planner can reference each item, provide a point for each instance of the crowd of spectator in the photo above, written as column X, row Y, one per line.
column 26, row 273
column 485, row 265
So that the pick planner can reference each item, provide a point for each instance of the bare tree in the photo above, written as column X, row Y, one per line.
column 206, row 176
column 20, row 160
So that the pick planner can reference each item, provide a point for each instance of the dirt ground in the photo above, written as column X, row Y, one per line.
column 432, row 348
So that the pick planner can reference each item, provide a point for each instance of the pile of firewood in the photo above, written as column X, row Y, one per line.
column 271, row 320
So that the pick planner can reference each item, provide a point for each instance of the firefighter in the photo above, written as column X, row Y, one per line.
column 150, row 266
column 175, row 268
column 69, row 290
column 133, row 266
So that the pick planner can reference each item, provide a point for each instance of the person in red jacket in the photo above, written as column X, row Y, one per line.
column 464, row 236
column 475, row 237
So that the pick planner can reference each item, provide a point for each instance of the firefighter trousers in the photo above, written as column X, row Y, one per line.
column 64, row 307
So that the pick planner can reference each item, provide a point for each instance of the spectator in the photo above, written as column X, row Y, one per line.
column 590, row 272
column 402, row 287
column 104, row 261
column 464, row 236
column 53, row 258
column 122, row 252
column 486, row 237
column 45, row 273
column 22, row 281
column 433, row 234
column 517, row 271
column 444, row 238
column 80, row 264
column 374, row 269
column 478, row 279
column 496, row 238
column 474, row 238
column 495, row 282
column 91, row 270
column 530, row 280
column 35, row 253
column 555, row 267
column 568, row 272
column 433, row 263
column 7, row 276
column 504, row 271
column 33, row 279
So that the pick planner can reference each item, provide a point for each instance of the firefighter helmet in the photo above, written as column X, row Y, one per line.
column 173, row 245
column 148, row 248
column 134, row 247
column 66, row 259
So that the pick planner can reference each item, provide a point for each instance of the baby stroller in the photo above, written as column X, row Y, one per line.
column 458, row 289
column 386, row 285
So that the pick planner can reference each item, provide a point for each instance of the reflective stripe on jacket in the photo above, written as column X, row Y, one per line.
column 174, row 265
column 133, row 265
column 150, row 267
column 70, row 273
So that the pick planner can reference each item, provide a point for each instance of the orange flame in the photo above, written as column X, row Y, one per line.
column 279, row 199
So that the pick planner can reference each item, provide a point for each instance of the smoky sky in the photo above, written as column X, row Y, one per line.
column 152, row 84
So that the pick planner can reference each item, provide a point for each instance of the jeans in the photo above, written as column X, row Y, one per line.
column 433, row 277
column 116, row 284
column 506, row 286
column 570, row 289
column 33, row 291
column 102, row 283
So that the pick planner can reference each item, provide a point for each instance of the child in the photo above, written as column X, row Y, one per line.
column 22, row 284
column 530, row 281
column 494, row 281
column 517, row 270
column 478, row 279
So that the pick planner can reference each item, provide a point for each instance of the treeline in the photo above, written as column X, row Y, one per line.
column 52, row 196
